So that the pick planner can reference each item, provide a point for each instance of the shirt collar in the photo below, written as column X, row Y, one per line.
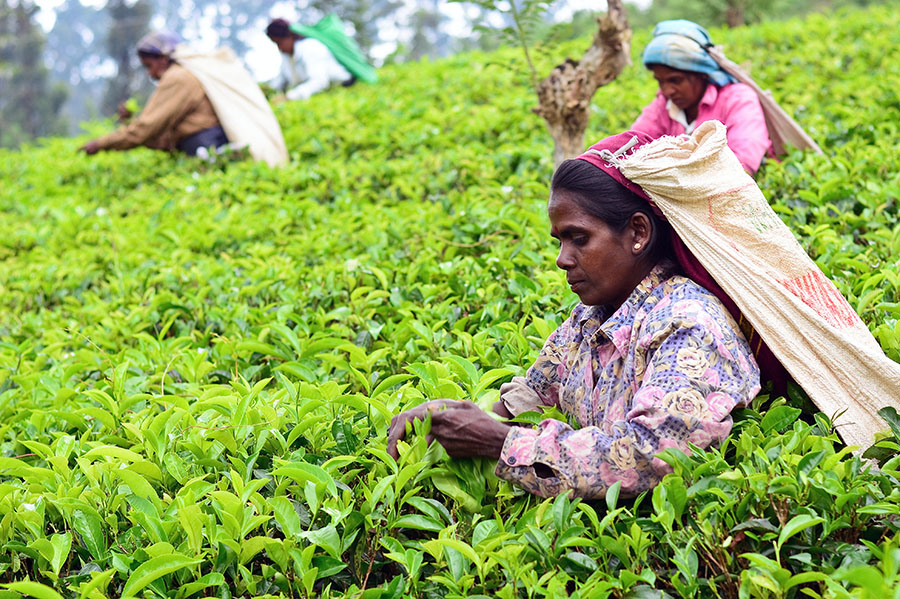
column 678, row 115
column 593, row 320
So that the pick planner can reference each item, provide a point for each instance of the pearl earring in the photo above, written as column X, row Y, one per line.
column 637, row 246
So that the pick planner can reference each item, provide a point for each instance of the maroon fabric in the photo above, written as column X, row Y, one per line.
column 613, row 143
column 769, row 366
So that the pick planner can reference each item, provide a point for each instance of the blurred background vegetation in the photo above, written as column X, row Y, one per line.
column 62, row 63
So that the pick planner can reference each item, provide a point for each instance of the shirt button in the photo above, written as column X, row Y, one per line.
column 511, row 460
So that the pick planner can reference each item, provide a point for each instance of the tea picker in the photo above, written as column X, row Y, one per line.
column 697, row 83
column 204, row 100
column 313, row 58
column 659, row 351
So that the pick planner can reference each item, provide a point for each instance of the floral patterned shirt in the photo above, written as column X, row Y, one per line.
column 664, row 370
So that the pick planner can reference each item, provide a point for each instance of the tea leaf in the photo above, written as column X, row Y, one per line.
column 33, row 589
column 154, row 569
column 779, row 418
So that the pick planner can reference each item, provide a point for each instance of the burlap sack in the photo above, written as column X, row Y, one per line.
column 239, row 103
column 723, row 218
column 783, row 129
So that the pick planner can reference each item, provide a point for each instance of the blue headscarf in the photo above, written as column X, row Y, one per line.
column 160, row 43
column 681, row 45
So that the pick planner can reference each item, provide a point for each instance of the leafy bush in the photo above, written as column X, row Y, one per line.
column 198, row 362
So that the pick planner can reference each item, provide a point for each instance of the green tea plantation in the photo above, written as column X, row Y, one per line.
column 198, row 362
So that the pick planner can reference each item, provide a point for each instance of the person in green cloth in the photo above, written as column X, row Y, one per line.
column 315, row 58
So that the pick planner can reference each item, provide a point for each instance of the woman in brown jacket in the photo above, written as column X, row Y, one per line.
column 178, row 114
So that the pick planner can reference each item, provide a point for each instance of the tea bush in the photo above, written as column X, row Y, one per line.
column 198, row 361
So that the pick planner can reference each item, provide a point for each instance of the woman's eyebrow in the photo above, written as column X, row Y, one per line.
column 570, row 231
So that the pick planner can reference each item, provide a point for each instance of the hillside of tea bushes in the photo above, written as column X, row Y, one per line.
column 198, row 361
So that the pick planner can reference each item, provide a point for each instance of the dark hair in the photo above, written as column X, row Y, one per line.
column 149, row 54
column 649, row 66
column 279, row 28
column 602, row 197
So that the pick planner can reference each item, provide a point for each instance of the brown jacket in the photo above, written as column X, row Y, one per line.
column 178, row 108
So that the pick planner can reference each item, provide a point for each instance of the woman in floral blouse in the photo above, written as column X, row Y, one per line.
column 647, row 360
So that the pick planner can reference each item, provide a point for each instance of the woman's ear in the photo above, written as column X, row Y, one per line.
column 641, row 230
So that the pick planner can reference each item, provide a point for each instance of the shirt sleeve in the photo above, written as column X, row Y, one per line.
column 316, row 59
column 545, row 376
column 651, row 118
column 167, row 106
column 697, row 370
column 518, row 397
column 745, row 125
column 540, row 386
column 280, row 82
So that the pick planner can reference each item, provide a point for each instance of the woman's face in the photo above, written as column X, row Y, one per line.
column 602, row 266
column 156, row 65
column 684, row 88
column 285, row 44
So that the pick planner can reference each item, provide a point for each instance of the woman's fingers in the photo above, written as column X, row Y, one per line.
column 90, row 148
column 500, row 408
column 397, row 428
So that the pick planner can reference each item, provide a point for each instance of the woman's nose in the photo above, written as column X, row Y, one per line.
column 564, row 259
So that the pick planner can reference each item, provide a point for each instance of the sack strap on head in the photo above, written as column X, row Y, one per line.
column 615, row 157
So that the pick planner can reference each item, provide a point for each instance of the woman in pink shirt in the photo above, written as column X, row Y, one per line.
column 693, row 89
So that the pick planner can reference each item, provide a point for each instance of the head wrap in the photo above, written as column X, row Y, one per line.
column 160, row 43
column 278, row 28
column 681, row 45
column 620, row 146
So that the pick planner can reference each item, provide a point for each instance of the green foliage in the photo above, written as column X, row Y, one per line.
column 526, row 20
column 198, row 362
column 733, row 13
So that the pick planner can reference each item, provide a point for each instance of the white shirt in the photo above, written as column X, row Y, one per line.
column 679, row 116
column 312, row 68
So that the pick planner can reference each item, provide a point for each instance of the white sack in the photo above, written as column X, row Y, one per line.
column 723, row 218
column 239, row 103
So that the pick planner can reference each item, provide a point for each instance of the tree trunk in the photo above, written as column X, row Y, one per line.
column 564, row 97
column 734, row 14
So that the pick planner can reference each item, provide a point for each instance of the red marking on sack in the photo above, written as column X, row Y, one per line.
column 816, row 291
column 732, row 191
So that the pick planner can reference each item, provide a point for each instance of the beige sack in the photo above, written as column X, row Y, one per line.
column 239, row 103
column 723, row 218
column 783, row 129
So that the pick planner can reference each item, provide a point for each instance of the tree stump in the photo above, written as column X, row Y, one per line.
column 564, row 97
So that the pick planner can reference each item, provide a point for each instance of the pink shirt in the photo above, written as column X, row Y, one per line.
column 735, row 105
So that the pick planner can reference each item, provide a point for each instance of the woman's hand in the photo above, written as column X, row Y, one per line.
column 461, row 427
column 500, row 409
column 123, row 112
column 397, row 429
column 90, row 148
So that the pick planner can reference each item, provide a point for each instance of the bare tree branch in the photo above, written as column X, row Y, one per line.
column 564, row 97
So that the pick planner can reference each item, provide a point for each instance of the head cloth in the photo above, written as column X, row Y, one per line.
column 620, row 147
column 681, row 45
column 160, row 43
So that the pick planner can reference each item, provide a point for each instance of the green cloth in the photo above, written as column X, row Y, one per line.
column 330, row 31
